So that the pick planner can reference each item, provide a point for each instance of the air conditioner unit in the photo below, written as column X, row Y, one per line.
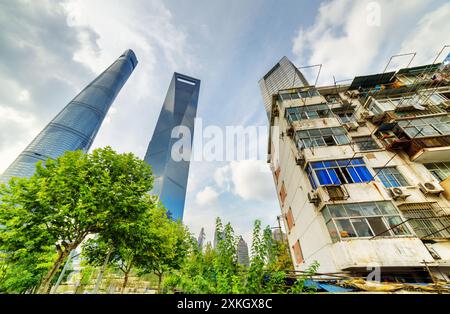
column 300, row 159
column 368, row 115
column 313, row 197
column 290, row 132
column 275, row 112
column 336, row 192
column 352, row 94
column 431, row 188
column 346, row 102
column 399, row 193
column 351, row 126
column 387, row 134
column 445, row 105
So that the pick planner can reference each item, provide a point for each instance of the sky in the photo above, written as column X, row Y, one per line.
column 50, row 50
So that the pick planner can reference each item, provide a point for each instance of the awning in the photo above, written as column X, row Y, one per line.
column 368, row 81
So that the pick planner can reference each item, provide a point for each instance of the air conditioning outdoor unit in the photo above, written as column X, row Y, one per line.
column 346, row 102
column 352, row 94
column 290, row 132
column 336, row 192
column 351, row 126
column 300, row 160
column 431, row 188
column 445, row 105
column 313, row 197
column 399, row 193
column 368, row 115
column 361, row 122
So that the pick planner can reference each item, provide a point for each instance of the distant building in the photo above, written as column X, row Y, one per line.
column 217, row 238
column 362, row 172
column 242, row 252
column 278, row 235
column 171, row 176
column 76, row 126
column 201, row 238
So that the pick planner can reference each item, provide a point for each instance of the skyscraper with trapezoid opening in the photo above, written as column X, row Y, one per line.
column 179, row 110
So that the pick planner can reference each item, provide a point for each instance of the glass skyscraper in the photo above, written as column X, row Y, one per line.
column 282, row 76
column 76, row 126
column 179, row 109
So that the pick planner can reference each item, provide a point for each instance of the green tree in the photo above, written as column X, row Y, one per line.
column 151, row 244
column 73, row 196
column 173, row 239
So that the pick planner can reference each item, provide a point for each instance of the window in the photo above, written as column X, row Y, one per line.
column 365, row 143
column 425, row 221
column 298, row 252
column 338, row 172
column 391, row 177
column 359, row 220
column 308, row 112
column 277, row 174
column 426, row 127
column 283, row 194
column 345, row 116
column 288, row 95
column 321, row 137
column 333, row 98
column 440, row 170
column 290, row 219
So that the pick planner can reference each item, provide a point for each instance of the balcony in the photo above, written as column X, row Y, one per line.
column 427, row 150
column 350, row 193
column 389, row 252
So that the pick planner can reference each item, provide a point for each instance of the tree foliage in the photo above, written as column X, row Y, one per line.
column 215, row 270
column 73, row 196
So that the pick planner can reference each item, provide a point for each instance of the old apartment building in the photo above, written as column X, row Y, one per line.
column 362, row 173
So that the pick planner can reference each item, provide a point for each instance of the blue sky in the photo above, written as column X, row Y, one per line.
column 49, row 50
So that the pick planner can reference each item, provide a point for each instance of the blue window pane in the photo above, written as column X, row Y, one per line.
column 364, row 174
column 343, row 162
column 317, row 164
column 330, row 163
column 354, row 175
column 323, row 177
column 312, row 181
column 334, row 176
column 357, row 161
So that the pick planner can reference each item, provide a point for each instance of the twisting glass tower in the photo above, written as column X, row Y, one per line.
column 179, row 110
column 76, row 126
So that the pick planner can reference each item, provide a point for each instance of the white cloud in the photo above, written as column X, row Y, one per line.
column 347, row 45
column 250, row 181
column 207, row 196
column 222, row 177
column 161, row 47
column 427, row 36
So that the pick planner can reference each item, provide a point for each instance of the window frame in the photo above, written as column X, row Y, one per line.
column 334, row 170
column 335, row 219
column 400, row 180
column 373, row 141
column 315, row 137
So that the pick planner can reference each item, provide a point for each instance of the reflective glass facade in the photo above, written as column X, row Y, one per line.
column 283, row 75
column 179, row 109
column 76, row 126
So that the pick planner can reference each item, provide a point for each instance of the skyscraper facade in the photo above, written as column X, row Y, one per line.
column 201, row 239
column 242, row 252
column 171, row 175
column 76, row 126
column 283, row 75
